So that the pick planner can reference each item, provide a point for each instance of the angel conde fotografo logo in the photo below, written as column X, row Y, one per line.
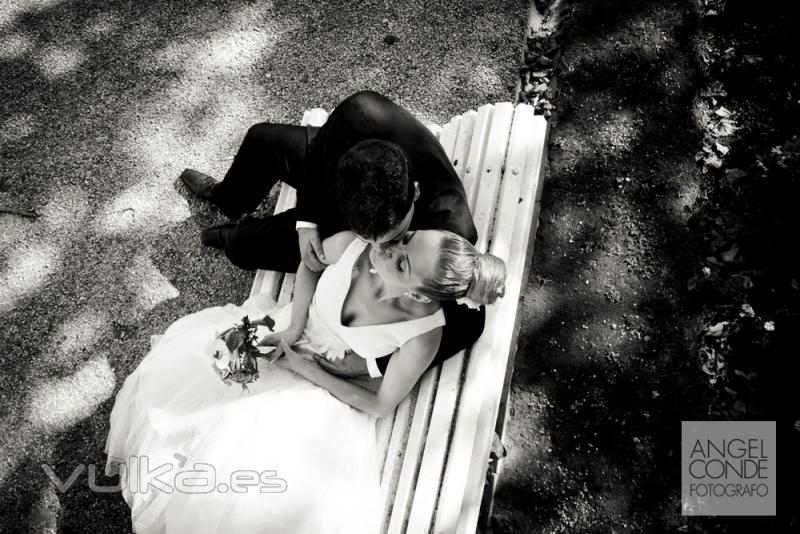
column 728, row 467
column 720, row 460
column 138, row 476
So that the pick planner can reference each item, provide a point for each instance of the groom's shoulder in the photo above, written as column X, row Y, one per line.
column 371, row 115
column 364, row 103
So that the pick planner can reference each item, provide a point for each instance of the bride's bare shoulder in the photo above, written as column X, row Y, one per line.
column 335, row 245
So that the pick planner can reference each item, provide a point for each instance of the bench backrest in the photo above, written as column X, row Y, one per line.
column 435, row 447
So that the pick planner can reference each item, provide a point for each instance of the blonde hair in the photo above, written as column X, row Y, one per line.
column 462, row 271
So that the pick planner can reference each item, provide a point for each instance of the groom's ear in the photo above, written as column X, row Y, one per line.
column 416, row 191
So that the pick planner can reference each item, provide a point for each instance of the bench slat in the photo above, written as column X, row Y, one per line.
column 517, row 198
column 405, row 491
column 435, row 449
column 485, row 383
column 394, row 455
column 433, row 456
column 463, row 142
column 505, row 332
column 459, row 451
column 413, row 452
column 491, row 171
column 395, row 460
column 477, row 147
column 383, row 433
column 449, row 134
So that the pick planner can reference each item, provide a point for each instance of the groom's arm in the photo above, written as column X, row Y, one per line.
column 315, row 205
column 314, row 202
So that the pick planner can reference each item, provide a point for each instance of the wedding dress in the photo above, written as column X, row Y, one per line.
column 284, row 457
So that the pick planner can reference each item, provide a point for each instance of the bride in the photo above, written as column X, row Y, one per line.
column 296, row 452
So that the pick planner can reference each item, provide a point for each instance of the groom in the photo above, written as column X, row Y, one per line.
column 372, row 168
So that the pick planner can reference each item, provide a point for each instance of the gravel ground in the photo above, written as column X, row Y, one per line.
column 102, row 104
column 615, row 328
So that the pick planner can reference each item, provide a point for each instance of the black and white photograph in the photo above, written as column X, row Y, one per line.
column 399, row 266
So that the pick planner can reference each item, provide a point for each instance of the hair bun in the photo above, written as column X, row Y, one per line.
column 488, row 279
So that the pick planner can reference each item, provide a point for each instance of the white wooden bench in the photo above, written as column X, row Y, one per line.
column 436, row 445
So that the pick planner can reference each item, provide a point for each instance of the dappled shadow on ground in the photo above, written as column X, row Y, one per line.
column 607, row 365
column 102, row 104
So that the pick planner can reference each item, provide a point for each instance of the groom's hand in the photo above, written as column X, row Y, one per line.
column 311, row 248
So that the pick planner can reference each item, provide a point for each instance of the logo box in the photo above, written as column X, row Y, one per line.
column 728, row 468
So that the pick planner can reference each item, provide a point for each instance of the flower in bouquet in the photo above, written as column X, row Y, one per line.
column 235, row 351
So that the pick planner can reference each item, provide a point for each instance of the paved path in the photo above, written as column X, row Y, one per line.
column 102, row 104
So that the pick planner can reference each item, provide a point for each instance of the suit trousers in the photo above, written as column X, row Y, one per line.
column 268, row 153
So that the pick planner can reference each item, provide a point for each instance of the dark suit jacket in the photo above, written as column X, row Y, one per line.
column 367, row 115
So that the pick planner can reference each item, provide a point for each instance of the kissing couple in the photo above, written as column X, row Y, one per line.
column 382, row 242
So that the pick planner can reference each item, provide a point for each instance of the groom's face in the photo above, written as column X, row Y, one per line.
column 396, row 234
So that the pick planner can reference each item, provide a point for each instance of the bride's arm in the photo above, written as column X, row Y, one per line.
column 305, row 283
column 404, row 370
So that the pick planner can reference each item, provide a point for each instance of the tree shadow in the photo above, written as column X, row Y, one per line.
column 102, row 104
column 606, row 367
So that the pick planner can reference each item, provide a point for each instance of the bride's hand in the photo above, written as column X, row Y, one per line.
column 291, row 360
column 290, row 336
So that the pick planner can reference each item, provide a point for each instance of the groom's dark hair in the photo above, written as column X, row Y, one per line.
column 375, row 190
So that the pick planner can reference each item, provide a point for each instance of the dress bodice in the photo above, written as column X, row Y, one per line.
column 328, row 336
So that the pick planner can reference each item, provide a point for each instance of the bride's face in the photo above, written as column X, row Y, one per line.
column 406, row 264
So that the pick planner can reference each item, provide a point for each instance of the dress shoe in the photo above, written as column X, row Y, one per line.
column 216, row 236
column 198, row 183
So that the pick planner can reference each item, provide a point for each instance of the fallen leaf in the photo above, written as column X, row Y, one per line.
column 712, row 161
column 714, row 89
column 717, row 329
column 747, row 311
column 724, row 128
column 735, row 174
column 721, row 148
column 730, row 254
column 723, row 112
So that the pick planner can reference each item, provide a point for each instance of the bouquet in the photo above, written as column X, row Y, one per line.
column 235, row 351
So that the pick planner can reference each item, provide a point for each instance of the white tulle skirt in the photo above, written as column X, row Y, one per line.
column 285, row 457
